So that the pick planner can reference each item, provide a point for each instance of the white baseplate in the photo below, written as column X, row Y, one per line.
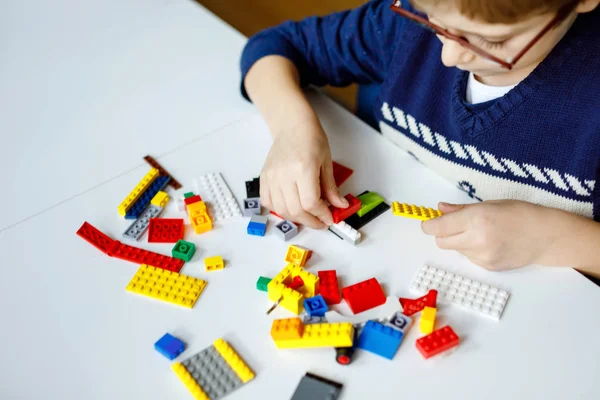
column 455, row 289
column 217, row 196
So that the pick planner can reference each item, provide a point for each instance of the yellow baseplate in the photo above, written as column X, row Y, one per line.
column 293, row 334
column 412, row 211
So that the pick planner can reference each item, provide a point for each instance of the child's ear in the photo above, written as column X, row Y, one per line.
column 586, row 6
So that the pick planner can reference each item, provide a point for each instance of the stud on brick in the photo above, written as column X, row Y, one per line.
column 315, row 306
column 165, row 230
column 183, row 250
column 286, row 230
column 328, row 287
column 437, row 342
column 252, row 206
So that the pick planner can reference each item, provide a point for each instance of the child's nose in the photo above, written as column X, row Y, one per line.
column 454, row 54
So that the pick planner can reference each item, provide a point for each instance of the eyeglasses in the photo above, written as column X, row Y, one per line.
column 508, row 63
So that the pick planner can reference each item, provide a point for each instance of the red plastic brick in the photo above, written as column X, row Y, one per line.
column 165, row 230
column 364, row 295
column 141, row 256
column 341, row 173
column 96, row 238
column 194, row 199
column 437, row 342
column 328, row 287
column 413, row 306
column 340, row 214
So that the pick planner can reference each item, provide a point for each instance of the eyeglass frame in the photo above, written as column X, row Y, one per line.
column 508, row 64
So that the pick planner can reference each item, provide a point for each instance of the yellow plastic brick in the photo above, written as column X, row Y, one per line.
column 277, row 284
column 200, row 221
column 160, row 199
column 292, row 300
column 339, row 334
column 234, row 361
column 189, row 382
column 214, row 263
column 427, row 321
column 297, row 255
column 311, row 282
column 137, row 191
column 197, row 206
column 291, row 328
column 168, row 286
column 416, row 212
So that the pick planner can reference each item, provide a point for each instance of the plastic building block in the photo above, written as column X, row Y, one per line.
column 314, row 319
column 369, row 202
column 183, row 250
column 253, row 188
column 380, row 339
column 286, row 230
column 252, row 206
column 427, row 321
column 292, row 300
column 165, row 230
column 315, row 306
column 200, row 220
column 341, row 173
column 257, row 225
column 94, row 237
column 412, row 211
column 169, row 346
column 221, row 202
column 192, row 199
column 364, row 295
column 344, row 355
column 297, row 255
column 167, row 286
column 413, row 306
column 234, row 361
column 400, row 322
column 188, row 195
column 346, row 232
column 214, row 263
column 340, row 214
column 214, row 372
column 357, row 222
column 328, row 287
column 195, row 206
column 137, row 229
column 137, row 191
column 172, row 181
column 144, row 200
column 437, row 342
column 262, row 282
column 160, row 199
column 467, row 293
column 313, row 387
column 141, row 256
column 339, row 334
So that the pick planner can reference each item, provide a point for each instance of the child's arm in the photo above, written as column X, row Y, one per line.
column 508, row 234
column 339, row 49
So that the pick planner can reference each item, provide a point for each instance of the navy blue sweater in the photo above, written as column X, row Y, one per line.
column 539, row 143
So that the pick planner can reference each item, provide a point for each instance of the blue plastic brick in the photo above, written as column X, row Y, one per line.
column 379, row 339
column 257, row 225
column 140, row 205
column 315, row 306
column 169, row 346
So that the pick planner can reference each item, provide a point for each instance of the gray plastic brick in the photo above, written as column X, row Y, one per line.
column 286, row 230
column 212, row 373
column 137, row 229
column 313, row 387
column 400, row 322
column 259, row 219
column 218, row 197
column 252, row 206
column 314, row 320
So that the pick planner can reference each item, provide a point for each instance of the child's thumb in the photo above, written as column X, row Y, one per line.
column 447, row 208
column 330, row 190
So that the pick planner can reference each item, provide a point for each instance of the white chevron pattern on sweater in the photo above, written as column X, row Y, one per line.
column 548, row 176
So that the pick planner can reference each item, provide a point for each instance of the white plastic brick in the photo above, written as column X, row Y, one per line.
column 467, row 293
column 346, row 232
column 217, row 196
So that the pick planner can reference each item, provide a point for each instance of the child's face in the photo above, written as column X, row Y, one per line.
column 500, row 40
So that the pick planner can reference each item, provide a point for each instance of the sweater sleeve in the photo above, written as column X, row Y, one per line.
column 352, row 46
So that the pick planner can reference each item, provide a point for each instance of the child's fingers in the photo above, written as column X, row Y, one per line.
column 296, row 213
column 329, row 189
column 447, row 224
column 279, row 205
column 265, row 193
column 459, row 242
column 310, row 197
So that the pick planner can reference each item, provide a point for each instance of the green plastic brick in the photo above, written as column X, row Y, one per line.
column 369, row 201
column 188, row 194
column 183, row 250
column 262, row 282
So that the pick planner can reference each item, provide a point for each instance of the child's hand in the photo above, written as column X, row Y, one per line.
column 497, row 235
column 298, row 174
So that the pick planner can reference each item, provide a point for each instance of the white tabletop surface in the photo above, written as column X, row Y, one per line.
column 87, row 88
column 71, row 331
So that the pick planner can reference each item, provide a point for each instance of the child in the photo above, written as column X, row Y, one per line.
column 510, row 113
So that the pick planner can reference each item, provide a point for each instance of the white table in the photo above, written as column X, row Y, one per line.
column 71, row 331
column 87, row 88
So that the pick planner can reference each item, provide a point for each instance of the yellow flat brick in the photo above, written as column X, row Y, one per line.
column 297, row 255
column 320, row 335
column 283, row 329
column 160, row 199
column 167, row 286
column 416, row 212
column 214, row 263
column 234, row 361
column 137, row 191
column 189, row 382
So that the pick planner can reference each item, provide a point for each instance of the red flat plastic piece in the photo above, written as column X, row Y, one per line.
column 340, row 214
column 364, row 295
column 328, row 287
column 437, row 342
column 413, row 306
column 94, row 237
column 341, row 173
column 165, row 230
column 141, row 256
column 296, row 283
column 194, row 199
